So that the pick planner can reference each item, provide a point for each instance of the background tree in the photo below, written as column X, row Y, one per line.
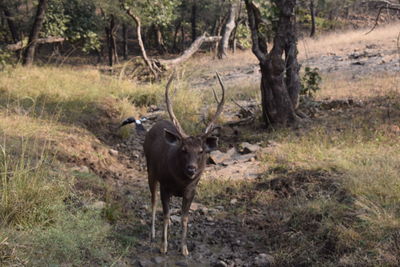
column 280, row 84
column 29, row 52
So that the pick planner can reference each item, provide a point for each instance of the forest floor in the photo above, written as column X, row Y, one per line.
column 323, row 193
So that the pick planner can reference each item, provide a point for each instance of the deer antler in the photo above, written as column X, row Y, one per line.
column 170, row 110
column 210, row 126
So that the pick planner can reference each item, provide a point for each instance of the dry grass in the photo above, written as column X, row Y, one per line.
column 343, row 43
column 378, row 85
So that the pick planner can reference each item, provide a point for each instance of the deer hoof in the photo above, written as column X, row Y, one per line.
column 163, row 249
column 185, row 251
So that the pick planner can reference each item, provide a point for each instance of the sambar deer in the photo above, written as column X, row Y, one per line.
column 176, row 161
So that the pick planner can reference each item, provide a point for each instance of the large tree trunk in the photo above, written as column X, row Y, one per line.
column 29, row 52
column 312, row 12
column 280, row 82
column 230, row 25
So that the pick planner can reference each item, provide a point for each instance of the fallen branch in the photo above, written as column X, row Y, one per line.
column 21, row 45
column 194, row 47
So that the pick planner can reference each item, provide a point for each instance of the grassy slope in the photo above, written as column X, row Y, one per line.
column 334, row 196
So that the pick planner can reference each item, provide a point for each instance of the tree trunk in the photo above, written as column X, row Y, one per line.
column 148, row 62
column 158, row 37
column 230, row 25
column 125, row 41
column 29, row 53
column 10, row 21
column 193, row 20
column 312, row 12
column 280, row 82
column 174, row 42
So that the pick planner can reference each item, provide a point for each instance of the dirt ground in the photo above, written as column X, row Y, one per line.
column 217, row 235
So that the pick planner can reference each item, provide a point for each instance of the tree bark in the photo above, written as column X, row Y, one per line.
column 230, row 25
column 29, row 52
column 125, row 41
column 10, row 21
column 280, row 82
column 312, row 12
column 148, row 62
column 159, row 39
column 193, row 20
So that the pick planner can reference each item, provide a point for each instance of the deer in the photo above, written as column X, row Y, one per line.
column 176, row 162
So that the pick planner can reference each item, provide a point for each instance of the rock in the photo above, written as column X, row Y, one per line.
column 246, row 148
column 175, row 218
column 182, row 263
column 218, row 157
column 359, row 63
column 263, row 260
column 113, row 152
column 144, row 263
column 209, row 219
column 220, row 264
column 98, row 205
column 240, row 158
column 233, row 201
column 158, row 259
column 195, row 206
column 82, row 169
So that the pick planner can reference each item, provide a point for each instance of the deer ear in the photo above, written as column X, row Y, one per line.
column 172, row 138
column 211, row 143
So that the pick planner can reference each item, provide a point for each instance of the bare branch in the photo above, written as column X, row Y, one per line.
column 20, row 45
column 190, row 51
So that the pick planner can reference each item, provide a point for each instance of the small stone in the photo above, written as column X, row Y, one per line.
column 113, row 152
column 181, row 263
column 264, row 260
column 144, row 263
column 233, row 201
column 158, row 260
column 175, row 218
column 98, row 205
column 220, row 264
column 246, row 148
column 209, row 219
column 217, row 157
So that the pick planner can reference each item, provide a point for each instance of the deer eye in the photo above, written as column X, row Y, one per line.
column 201, row 151
column 184, row 149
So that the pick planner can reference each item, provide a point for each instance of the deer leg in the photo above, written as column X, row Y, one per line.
column 165, row 197
column 186, row 202
column 153, row 190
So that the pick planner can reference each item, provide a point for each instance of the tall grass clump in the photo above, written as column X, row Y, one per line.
column 31, row 192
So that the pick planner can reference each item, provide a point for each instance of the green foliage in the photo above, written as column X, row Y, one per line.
column 56, row 21
column 310, row 82
column 243, row 36
column 5, row 58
